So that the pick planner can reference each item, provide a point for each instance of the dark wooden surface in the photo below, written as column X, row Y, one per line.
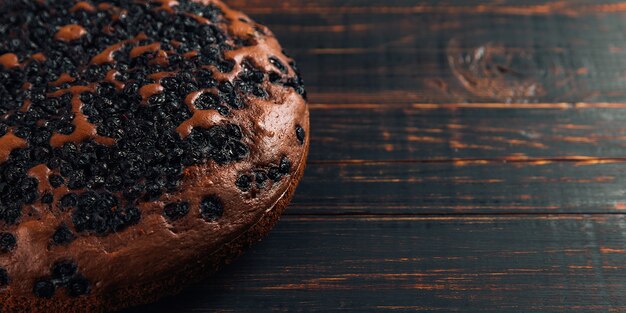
column 466, row 156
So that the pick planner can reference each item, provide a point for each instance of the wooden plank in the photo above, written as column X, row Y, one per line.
column 410, row 51
column 426, row 132
column 428, row 264
column 527, row 7
column 513, row 7
column 462, row 187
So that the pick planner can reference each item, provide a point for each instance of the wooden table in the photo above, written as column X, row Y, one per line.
column 466, row 156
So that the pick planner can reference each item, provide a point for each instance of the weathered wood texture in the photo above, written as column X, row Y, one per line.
column 424, row 264
column 457, row 131
column 453, row 51
column 467, row 156
column 464, row 187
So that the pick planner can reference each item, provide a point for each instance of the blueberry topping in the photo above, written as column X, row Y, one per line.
column 134, row 151
column 274, row 173
column 211, row 208
column 77, row 286
column 62, row 271
column 300, row 134
column 244, row 182
column 285, row 165
column 44, row 288
column 7, row 242
column 175, row 211
column 47, row 198
column 63, row 235
column 278, row 64
column 4, row 277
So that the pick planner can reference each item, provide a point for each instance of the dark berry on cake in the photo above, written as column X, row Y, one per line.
column 175, row 211
column 285, row 165
column 4, row 277
column 211, row 208
column 63, row 235
column 77, row 286
column 62, row 271
column 260, row 177
column 300, row 134
column 244, row 182
column 274, row 173
column 7, row 242
column 44, row 288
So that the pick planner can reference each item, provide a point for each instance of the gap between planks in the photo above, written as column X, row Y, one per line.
column 453, row 216
column 579, row 160
column 453, row 106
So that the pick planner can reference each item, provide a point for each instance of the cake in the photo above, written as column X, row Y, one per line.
column 143, row 144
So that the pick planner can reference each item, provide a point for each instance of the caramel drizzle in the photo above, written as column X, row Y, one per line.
column 200, row 118
column 25, row 106
column 166, row 5
column 104, row 6
column 106, row 56
column 83, row 129
column 70, row 33
column 237, row 27
column 161, row 57
column 64, row 78
column 110, row 77
column 8, row 143
column 157, row 77
column 39, row 57
column 42, row 173
column 139, row 50
column 191, row 54
column 198, row 18
column 83, row 5
column 150, row 90
column 9, row 60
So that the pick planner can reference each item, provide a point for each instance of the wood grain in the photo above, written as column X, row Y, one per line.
column 464, row 187
column 453, row 131
column 426, row 264
column 456, row 51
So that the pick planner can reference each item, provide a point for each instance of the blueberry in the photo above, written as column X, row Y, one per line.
column 77, row 286
column 175, row 211
column 278, row 64
column 4, row 277
column 47, row 198
column 62, row 271
column 285, row 165
column 244, row 182
column 44, row 288
column 260, row 177
column 157, row 99
column 274, row 173
column 63, row 235
column 69, row 200
column 300, row 134
column 7, row 242
column 211, row 208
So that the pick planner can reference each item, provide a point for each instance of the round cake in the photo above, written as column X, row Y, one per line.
column 143, row 144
